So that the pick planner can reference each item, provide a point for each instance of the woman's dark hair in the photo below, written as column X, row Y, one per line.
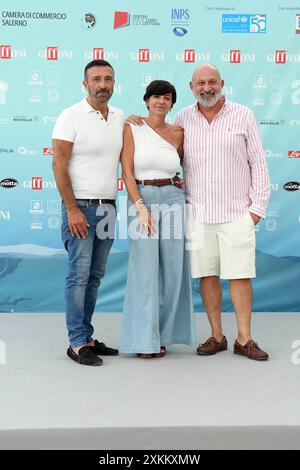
column 160, row 87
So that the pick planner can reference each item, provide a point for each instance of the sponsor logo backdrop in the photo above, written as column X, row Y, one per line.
column 43, row 50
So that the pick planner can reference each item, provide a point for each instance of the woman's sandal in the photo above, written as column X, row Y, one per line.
column 144, row 355
column 148, row 356
column 161, row 353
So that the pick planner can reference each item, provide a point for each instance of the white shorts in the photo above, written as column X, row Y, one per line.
column 226, row 250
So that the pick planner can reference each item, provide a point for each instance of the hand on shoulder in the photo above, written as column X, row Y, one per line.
column 177, row 129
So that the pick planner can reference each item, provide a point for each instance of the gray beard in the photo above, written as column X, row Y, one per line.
column 208, row 103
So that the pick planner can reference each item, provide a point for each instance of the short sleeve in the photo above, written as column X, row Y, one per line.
column 64, row 128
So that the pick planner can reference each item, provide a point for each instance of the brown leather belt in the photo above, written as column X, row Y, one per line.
column 176, row 181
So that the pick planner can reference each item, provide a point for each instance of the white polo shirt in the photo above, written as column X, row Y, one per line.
column 97, row 143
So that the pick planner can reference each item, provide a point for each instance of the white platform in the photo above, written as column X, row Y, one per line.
column 181, row 401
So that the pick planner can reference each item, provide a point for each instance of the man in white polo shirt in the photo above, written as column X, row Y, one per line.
column 87, row 140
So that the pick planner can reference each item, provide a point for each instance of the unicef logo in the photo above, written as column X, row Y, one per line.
column 88, row 21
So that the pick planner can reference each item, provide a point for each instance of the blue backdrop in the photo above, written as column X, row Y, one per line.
column 44, row 47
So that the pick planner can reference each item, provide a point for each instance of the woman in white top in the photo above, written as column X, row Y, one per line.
column 158, row 307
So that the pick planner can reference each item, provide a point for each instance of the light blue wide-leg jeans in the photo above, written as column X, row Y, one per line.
column 158, row 306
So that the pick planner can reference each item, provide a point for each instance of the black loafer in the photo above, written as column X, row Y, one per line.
column 103, row 350
column 85, row 356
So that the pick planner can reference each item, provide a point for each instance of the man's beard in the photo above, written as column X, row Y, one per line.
column 208, row 102
column 98, row 97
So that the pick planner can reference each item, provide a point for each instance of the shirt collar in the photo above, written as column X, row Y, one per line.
column 89, row 109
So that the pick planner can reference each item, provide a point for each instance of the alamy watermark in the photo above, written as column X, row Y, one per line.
column 172, row 222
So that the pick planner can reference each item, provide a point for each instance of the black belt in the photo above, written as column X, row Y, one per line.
column 99, row 201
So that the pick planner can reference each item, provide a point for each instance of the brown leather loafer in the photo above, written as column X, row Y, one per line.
column 250, row 350
column 212, row 346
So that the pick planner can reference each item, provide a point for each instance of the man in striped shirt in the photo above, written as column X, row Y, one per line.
column 227, row 191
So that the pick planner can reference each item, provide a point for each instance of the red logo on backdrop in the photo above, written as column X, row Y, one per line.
column 280, row 57
column 122, row 19
column 98, row 53
column 144, row 55
column 294, row 153
column 52, row 53
column 189, row 55
column 37, row 182
column 120, row 184
column 5, row 52
column 235, row 56
column 47, row 151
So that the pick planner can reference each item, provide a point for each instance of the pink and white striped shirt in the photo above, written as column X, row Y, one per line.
column 225, row 170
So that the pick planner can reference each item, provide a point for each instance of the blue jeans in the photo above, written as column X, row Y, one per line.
column 86, row 268
column 158, row 306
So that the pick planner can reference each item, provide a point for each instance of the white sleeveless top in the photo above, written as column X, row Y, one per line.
column 154, row 157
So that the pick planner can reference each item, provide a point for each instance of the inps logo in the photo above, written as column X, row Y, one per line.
column 180, row 14
column 180, row 17
column 179, row 31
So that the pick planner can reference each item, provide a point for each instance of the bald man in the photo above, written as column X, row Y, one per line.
column 227, row 191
